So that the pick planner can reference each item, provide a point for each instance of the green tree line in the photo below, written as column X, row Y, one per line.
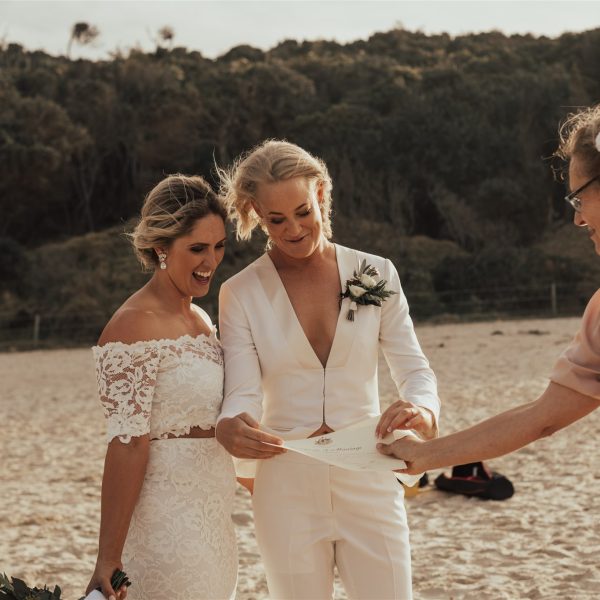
column 439, row 147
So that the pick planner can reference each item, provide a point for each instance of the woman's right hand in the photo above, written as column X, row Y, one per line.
column 102, row 575
column 242, row 438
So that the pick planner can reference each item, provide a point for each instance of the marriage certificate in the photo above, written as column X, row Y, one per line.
column 354, row 448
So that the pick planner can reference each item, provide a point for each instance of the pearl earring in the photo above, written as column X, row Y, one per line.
column 162, row 257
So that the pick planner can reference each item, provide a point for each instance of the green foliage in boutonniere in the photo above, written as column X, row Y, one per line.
column 365, row 289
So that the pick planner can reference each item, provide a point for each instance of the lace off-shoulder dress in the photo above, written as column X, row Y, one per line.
column 181, row 543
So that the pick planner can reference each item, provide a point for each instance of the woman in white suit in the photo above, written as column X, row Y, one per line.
column 297, row 367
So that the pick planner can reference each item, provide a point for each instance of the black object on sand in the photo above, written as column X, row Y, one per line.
column 476, row 479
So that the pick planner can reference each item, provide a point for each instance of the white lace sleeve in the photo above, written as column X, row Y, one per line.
column 126, row 375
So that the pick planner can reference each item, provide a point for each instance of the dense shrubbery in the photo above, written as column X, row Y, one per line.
column 76, row 285
column 436, row 146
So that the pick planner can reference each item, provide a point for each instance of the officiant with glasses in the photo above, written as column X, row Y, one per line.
column 574, row 388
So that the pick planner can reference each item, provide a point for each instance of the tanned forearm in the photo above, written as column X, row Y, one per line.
column 556, row 408
column 124, row 471
column 494, row 437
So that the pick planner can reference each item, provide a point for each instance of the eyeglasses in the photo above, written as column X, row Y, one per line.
column 573, row 198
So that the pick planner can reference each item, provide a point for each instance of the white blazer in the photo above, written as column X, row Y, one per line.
column 272, row 372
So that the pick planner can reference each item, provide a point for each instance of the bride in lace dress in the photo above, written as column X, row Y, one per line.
column 168, row 485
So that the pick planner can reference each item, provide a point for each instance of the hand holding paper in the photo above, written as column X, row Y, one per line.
column 354, row 448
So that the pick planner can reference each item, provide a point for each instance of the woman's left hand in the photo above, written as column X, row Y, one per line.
column 405, row 415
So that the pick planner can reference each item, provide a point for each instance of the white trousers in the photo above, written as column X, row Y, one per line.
column 310, row 517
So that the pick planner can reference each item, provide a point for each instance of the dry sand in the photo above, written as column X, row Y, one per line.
column 543, row 543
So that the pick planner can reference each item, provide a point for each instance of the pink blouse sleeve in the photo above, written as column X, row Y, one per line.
column 578, row 367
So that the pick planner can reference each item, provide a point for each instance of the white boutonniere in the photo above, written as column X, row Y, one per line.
column 364, row 288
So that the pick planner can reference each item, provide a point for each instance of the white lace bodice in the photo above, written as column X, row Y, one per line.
column 160, row 387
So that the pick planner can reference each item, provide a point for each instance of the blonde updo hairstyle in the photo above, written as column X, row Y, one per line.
column 170, row 210
column 579, row 139
column 270, row 162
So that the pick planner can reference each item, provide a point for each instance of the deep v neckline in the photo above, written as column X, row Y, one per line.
column 296, row 320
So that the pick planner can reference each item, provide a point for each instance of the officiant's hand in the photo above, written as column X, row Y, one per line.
column 102, row 576
column 405, row 415
column 242, row 438
column 412, row 451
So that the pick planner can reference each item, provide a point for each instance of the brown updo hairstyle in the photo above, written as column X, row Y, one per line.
column 270, row 162
column 170, row 211
column 578, row 136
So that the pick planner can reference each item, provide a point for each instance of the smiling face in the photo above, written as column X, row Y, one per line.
column 590, row 201
column 290, row 211
column 193, row 258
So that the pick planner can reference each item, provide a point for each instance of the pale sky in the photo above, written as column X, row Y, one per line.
column 213, row 27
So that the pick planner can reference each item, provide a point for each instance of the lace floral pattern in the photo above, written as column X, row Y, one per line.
column 181, row 542
column 160, row 387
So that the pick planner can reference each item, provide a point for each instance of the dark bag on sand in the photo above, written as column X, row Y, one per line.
column 475, row 479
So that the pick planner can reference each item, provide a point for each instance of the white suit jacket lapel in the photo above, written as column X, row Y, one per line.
column 346, row 330
column 285, row 320
column 287, row 323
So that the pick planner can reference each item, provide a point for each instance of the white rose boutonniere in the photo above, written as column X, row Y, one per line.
column 356, row 291
column 365, row 289
column 367, row 280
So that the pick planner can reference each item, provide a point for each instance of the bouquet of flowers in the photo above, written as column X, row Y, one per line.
column 17, row 589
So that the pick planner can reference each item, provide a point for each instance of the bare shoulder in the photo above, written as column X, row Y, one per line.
column 133, row 324
column 202, row 314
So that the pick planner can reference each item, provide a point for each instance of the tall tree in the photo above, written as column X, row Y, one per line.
column 83, row 34
column 166, row 35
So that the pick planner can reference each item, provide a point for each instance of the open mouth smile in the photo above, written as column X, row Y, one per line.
column 202, row 277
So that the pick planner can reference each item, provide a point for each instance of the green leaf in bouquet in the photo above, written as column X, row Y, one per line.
column 17, row 589
column 46, row 594
column 6, row 587
column 118, row 579
column 20, row 588
column 5, row 583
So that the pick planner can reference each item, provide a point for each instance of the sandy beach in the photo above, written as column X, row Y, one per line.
column 542, row 543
